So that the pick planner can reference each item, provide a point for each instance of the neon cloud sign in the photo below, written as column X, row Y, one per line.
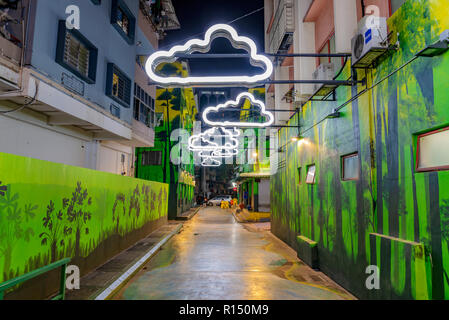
column 210, row 162
column 230, row 104
column 203, row 142
column 203, row 46
column 218, row 153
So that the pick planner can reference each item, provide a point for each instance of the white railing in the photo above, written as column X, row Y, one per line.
column 283, row 23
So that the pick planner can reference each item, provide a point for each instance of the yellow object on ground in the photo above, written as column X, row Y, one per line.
column 248, row 216
column 225, row 204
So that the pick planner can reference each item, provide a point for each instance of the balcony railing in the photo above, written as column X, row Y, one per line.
column 281, row 31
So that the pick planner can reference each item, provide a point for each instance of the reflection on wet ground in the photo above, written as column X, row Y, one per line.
column 214, row 257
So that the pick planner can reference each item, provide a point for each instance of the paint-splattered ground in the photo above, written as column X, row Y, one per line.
column 214, row 257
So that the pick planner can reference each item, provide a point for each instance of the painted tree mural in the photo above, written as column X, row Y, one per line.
column 49, row 211
column 12, row 219
column 53, row 222
column 391, row 212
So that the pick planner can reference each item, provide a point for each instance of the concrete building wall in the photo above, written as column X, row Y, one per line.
column 28, row 135
column 96, row 27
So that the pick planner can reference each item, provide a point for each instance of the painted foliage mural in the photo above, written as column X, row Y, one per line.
column 253, row 141
column 391, row 216
column 175, row 109
column 50, row 211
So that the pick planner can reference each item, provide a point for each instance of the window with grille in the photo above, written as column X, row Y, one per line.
column 76, row 53
column 143, row 106
column 151, row 158
column 118, row 86
column 123, row 20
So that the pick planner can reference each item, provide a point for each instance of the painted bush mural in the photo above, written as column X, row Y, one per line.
column 392, row 216
column 49, row 211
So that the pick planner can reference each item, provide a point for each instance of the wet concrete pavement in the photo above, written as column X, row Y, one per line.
column 215, row 257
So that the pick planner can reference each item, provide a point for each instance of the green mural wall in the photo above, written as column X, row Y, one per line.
column 261, row 163
column 178, row 109
column 392, row 216
column 50, row 211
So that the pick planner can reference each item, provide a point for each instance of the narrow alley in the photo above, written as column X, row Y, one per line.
column 206, row 153
column 214, row 257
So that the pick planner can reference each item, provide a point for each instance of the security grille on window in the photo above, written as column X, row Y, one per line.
column 119, row 86
column 152, row 158
column 123, row 20
column 76, row 54
column 143, row 106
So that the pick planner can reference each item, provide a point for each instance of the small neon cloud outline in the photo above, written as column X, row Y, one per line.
column 218, row 153
column 215, row 162
column 197, row 45
column 235, row 103
column 213, row 145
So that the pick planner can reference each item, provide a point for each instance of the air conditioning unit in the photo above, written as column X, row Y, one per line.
column 325, row 71
column 370, row 41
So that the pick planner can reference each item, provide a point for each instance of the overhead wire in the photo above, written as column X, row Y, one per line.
column 19, row 108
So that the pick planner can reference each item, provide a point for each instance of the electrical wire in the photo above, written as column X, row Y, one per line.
column 199, row 34
column 19, row 108
column 364, row 91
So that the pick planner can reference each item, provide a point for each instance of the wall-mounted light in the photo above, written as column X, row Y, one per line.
column 297, row 138
column 255, row 154
column 335, row 114
column 437, row 48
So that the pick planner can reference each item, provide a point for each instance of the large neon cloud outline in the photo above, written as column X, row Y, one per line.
column 235, row 103
column 197, row 45
column 212, row 146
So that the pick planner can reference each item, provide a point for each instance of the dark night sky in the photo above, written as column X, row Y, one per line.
column 196, row 16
